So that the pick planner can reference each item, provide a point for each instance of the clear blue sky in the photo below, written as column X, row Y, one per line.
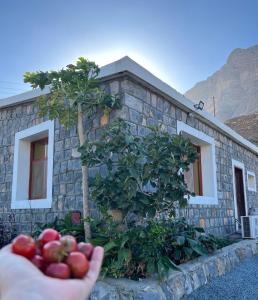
column 181, row 41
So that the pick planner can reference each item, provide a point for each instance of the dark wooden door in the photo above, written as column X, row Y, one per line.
column 240, row 194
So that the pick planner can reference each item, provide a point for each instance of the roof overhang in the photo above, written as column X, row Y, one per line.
column 126, row 66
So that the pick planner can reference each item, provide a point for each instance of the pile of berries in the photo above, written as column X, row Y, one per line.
column 55, row 255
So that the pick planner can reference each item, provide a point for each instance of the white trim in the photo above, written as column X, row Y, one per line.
column 23, row 97
column 181, row 126
column 240, row 165
column 21, row 168
column 126, row 64
column 251, row 189
column 208, row 158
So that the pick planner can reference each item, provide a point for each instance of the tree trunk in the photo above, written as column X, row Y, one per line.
column 85, row 185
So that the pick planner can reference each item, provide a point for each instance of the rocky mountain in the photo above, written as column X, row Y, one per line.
column 234, row 87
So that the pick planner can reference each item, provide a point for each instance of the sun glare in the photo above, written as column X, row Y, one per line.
column 106, row 56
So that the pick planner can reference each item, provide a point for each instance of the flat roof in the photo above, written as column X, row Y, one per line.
column 129, row 66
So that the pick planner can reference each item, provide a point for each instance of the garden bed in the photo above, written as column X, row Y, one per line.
column 177, row 285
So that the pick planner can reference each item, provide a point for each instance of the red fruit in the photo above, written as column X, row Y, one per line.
column 24, row 245
column 58, row 270
column 53, row 251
column 86, row 249
column 39, row 262
column 69, row 243
column 78, row 263
column 48, row 235
column 38, row 249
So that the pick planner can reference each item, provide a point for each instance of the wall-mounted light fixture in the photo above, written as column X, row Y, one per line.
column 199, row 106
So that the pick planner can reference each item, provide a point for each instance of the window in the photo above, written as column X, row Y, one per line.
column 33, row 167
column 38, row 169
column 201, row 178
column 193, row 177
column 251, row 181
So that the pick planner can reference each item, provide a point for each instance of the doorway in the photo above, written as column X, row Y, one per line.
column 239, row 192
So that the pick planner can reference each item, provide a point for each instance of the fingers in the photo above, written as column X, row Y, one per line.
column 95, row 266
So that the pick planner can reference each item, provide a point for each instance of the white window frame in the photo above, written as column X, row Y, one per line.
column 251, row 189
column 209, row 175
column 21, row 166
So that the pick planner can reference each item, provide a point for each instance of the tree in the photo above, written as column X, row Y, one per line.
column 145, row 175
column 75, row 97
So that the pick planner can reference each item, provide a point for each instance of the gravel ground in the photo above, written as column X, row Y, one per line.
column 240, row 283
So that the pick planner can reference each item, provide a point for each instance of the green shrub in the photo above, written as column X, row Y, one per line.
column 155, row 247
column 144, row 175
column 139, row 251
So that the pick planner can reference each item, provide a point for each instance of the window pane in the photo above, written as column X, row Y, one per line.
column 38, row 169
column 189, row 178
column 39, row 179
column 192, row 177
column 196, row 177
column 40, row 150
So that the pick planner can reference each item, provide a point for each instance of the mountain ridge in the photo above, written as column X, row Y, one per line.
column 234, row 86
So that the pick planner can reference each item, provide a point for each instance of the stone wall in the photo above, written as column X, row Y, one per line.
column 145, row 107
column 67, row 194
column 142, row 106
column 177, row 285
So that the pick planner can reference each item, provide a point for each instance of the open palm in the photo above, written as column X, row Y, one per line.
column 20, row 279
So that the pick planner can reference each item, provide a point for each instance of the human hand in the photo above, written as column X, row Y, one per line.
column 20, row 279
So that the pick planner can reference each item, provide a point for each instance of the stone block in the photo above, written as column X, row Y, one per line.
column 154, row 100
column 133, row 102
column 123, row 113
column 104, row 291
column 160, row 104
column 114, row 87
column 148, row 295
column 176, row 283
column 135, row 117
column 134, row 89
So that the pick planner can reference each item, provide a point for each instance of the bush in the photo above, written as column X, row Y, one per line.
column 144, row 175
column 156, row 247
column 139, row 251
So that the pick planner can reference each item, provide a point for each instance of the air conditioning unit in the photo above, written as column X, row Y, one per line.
column 249, row 225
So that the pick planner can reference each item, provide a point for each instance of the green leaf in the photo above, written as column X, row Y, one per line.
column 109, row 246
column 199, row 229
column 124, row 255
column 188, row 251
column 180, row 240
column 151, row 269
column 192, row 242
column 200, row 250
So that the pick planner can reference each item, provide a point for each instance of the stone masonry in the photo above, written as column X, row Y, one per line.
column 142, row 106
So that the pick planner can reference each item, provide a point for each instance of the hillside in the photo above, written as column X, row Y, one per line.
column 234, row 86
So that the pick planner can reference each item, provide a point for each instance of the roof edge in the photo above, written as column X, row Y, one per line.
column 23, row 97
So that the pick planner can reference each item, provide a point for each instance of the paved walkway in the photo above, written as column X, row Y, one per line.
column 241, row 283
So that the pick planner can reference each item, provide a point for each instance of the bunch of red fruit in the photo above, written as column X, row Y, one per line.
column 55, row 255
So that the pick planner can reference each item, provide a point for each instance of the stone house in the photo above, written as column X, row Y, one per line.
column 39, row 159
